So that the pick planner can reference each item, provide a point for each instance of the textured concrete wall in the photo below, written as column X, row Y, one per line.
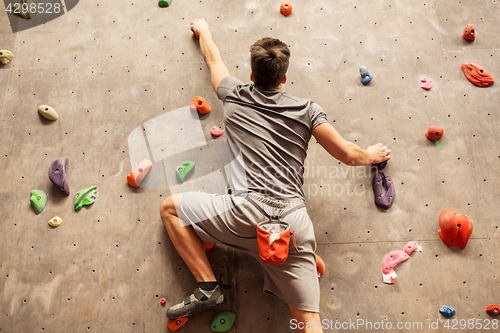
column 107, row 67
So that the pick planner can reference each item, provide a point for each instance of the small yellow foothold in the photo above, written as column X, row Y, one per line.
column 26, row 10
column 55, row 221
column 48, row 112
column 5, row 56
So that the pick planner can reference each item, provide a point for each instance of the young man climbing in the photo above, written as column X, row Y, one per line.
column 270, row 130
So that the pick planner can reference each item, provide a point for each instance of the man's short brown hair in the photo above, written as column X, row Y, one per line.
column 269, row 59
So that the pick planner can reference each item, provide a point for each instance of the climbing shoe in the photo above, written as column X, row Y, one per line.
column 199, row 300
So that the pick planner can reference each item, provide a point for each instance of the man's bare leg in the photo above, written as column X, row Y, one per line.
column 187, row 243
column 304, row 317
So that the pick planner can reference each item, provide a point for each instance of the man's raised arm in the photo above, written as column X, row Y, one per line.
column 348, row 152
column 210, row 52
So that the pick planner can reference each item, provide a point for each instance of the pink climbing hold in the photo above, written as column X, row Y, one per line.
column 216, row 131
column 392, row 259
column 427, row 84
column 412, row 246
column 162, row 301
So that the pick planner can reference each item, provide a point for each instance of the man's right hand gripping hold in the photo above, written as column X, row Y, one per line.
column 272, row 129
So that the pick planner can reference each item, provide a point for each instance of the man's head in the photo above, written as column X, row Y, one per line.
column 269, row 58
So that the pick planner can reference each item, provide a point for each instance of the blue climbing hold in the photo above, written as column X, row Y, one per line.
column 366, row 77
column 447, row 311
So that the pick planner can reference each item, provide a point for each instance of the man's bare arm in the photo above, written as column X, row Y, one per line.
column 348, row 152
column 210, row 52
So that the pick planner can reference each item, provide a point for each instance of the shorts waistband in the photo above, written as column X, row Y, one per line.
column 269, row 201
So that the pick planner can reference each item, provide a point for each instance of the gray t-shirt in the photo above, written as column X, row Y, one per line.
column 272, row 130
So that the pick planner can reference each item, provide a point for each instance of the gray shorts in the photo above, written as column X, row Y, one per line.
column 232, row 221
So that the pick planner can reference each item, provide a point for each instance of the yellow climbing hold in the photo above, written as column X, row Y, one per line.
column 48, row 112
column 5, row 56
column 27, row 9
column 55, row 221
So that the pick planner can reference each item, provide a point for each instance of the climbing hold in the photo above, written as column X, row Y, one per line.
column 209, row 246
column 381, row 181
column 366, row 77
column 380, row 165
column 320, row 266
column 184, row 169
column 137, row 175
column 469, row 33
column 412, row 246
column 55, row 221
column 447, row 311
column 286, row 8
column 493, row 309
column 164, row 3
column 427, row 84
column 200, row 104
column 455, row 229
column 175, row 324
column 162, row 301
column 38, row 200
column 58, row 173
column 27, row 9
column 390, row 261
column 85, row 197
column 5, row 56
column 434, row 133
column 48, row 112
column 477, row 74
column 223, row 321
column 216, row 131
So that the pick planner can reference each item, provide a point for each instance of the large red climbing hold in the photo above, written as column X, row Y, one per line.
column 200, row 104
column 434, row 133
column 493, row 309
column 175, row 324
column 286, row 8
column 469, row 33
column 320, row 265
column 477, row 74
column 455, row 229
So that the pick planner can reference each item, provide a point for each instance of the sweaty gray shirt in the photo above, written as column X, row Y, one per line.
column 272, row 130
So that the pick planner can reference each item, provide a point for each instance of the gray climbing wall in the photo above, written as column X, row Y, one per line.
column 108, row 67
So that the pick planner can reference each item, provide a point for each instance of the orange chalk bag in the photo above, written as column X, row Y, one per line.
column 273, row 236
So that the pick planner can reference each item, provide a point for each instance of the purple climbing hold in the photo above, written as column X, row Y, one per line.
column 381, row 181
column 58, row 173
column 380, row 165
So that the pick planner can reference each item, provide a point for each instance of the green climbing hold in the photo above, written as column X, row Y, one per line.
column 38, row 200
column 184, row 169
column 164, row 3
column 85, row 197
column 223, row 321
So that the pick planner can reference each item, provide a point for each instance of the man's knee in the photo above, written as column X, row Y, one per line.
column 167, row 208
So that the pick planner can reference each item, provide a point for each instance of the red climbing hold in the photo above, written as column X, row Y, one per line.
column 286, row 8
column 175, row 324
column 493, row 309
column 434, row 133
column 456, row 229
column 162, row 301
column 200, row 104
column 469, row 33
column 320, row 265
column 216, row 131
column 427, row 84
column 208, row 246
column 412, row 246
column 392, row 259
column 477, row 74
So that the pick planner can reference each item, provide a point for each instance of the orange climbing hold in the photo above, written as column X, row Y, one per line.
column 320, row 265
column 455, row 229
column 137, row 175
column 434, row 133
column 493, row 309
column 477, row 74
column 175, row 324
column 201, row 105
column 469, row 33
column 286, row 8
